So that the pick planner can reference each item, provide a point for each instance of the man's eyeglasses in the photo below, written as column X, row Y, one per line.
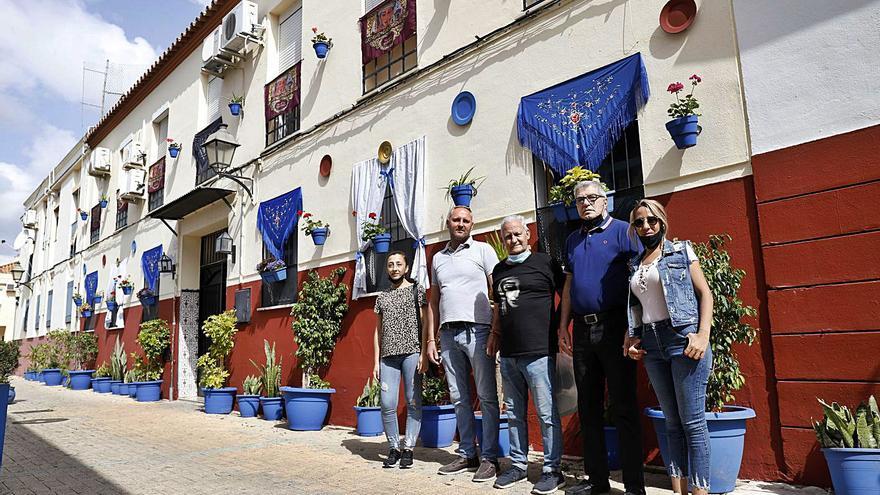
column 591, row 198
column 640, row 222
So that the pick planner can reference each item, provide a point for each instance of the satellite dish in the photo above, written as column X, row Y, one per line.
column 20, row 239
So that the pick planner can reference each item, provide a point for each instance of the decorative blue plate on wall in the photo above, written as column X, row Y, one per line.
column 464, row 106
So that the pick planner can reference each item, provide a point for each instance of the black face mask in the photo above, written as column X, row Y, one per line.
column 652, row 241
column 591, row 224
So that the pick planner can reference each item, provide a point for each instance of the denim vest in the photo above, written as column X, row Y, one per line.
column 678, row 288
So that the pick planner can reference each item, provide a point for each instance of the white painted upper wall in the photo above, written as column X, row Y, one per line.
column 811, row 69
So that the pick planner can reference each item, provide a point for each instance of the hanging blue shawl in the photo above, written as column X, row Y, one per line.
column 277, row 219
column 577, row 122
column 91, row 286
column 150, row 266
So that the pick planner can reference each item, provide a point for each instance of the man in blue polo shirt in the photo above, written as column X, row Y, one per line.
column 594, row 298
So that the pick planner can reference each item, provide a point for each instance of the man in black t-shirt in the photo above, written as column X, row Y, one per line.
column 524, row 330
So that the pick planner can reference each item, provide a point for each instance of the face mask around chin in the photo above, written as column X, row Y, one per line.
column 652, row 241
column 518, row 258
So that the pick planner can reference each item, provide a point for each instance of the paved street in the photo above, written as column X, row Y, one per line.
column 64, row 442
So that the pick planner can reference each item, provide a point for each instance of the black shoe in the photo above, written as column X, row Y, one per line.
column 640, row 491
column 460, row 465
column 549, row 483
column 510, row 477
column 391, row 460
column 587, row 487
column 406, row 459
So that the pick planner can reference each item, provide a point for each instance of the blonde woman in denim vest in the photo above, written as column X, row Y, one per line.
column 670, row 314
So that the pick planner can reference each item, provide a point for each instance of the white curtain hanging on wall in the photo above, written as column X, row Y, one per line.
column 408, row 164
column 367, row 194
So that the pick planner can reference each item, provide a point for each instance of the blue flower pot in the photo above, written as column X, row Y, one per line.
column 77, row 301
column 854, row 471
column 273, row 408
column 127, row 290
column 125, row 388
column 80, row 379
column 41, row 377
column 438, row 426
column 248, row 405
column 503, row 435
column 11, row 395
column 4, row 389
column 103, row 203
column 173, row 152
column 112, row 306
column 319, row 236
column 84, row 215
column 52, row 377
column 132, row 390
column 219, row 400
column 148, row 301
column 86, row 314
column 272, row 276
column 369, row 421
column 150, row 391
column 101, row 385
column 321, row 49
column 684, row 131
column 114, row 387
column 97, row 300
column 727, row 431
column 382, row 242
column 65, row 382
column 306, row 408
column 235, row 109
column 462, row 195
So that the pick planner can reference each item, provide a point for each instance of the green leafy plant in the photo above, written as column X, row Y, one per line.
column 84, row 307
column 39, row 356
column 687, row 104
column 465, row 179
column 372, row 228
column 237, row 99
column 172, row 143
column 57, row 350
column 103, row 370
column 371, row 395
column 563, row 191
column 494, row 240
column 317, row 383
column 320, row 37
column 221, row 330
column 118, row 360
column 154, row 338
column 317, row 321
column 310, row 224
column 10, row 351
column 728, row 327
column 270, row 373
column 82, row 349
column 130, row 376
column 435, row 392
column 143, row 369
column 251, row 385
column 841, row 429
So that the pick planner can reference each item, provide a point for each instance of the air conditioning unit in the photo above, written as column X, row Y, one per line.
column 134, row 184
column 99, row 162
column 29, row 221
column 239, row 21
column 211, row 45
column 131, row 155
column 10, row 287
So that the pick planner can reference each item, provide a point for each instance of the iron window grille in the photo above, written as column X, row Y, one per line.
column 398, row 61
column 156, row 198
column 281, row 126
column 285, row 291
column 121, row 214
column 400, row 241
column 95, row 224
column 49, row 308
column 73, row 238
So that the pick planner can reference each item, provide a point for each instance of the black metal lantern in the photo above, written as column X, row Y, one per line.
column 223, row 245
column 220, row 148
column 166, row 265
column 17, row 272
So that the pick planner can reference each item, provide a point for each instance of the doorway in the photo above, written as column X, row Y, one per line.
column 212, row 286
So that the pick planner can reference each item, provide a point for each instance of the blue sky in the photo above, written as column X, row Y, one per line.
column 41, row 79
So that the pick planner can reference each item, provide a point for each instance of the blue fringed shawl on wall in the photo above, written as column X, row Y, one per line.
column 277, row 219
column 150, row 265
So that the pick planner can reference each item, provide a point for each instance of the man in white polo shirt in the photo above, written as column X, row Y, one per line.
column 460, row 282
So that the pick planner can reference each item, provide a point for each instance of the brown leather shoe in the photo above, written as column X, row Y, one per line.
column 486, row 472
column 460, row 465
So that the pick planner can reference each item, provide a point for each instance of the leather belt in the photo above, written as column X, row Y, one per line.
column 594, row 318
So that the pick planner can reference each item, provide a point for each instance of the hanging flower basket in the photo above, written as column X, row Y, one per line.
column 321, row 43
column 684, row 127
column 382, row 242
column 173, row 147
column 464, row 188
column 103, row 203
column 319, row 235
column 97, row 299
column 84, row 215
column 377, row 233
column 272, row 270
column 315, row 228
column 147, row 297
column 127, row 289
column 684, row 131
column 112, row 306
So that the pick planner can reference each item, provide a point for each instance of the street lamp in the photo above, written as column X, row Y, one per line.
column 220, row 148
column 166, row 265
column 17, row 272
column 223, row 245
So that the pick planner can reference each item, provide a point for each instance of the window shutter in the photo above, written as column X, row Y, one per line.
column 161, row 135
column 289, row 40
column 371, row 4
column 49, row 309
column 69, row 304
column 37, row 316
column 213, row 97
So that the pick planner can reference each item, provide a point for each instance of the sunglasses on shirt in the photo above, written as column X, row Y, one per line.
column 641, row 222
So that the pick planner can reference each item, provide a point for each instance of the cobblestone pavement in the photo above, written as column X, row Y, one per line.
column 63, row 442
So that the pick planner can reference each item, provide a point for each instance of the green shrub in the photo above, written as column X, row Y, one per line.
column 103, row 370
column 82, row 349
column 371, row 395
column 154, row 338
column 221, row 330
column 9, row 353
column 434, row 391
column 318, row 315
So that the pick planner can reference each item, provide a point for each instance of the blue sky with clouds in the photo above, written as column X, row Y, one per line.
column 41, row 79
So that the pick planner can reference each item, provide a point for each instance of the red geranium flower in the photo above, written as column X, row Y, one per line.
column 372, row 216
column 696, row 79
column 299, row 212
column 675, row 87
column 307, row 215
column 354, row 213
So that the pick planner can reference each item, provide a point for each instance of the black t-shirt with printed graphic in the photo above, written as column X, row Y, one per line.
column 524, row 294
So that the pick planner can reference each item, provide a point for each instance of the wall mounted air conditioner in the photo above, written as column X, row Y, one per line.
column 239, row 21
column 29, row 221
column 211, row 45
column 99, row 162
column 133, row 185
column 131, row 154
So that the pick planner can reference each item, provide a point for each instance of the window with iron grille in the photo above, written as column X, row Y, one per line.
column 399, row 60
column 377, row 281
column 151, row 312
column 621, row 171
column 283, row 291
column 73, row 238
column 49, row 309
column 27, row 309
column 388, row 41
column 281, row 126
column 95, row 224
column 121, row 213
column 156, row 185
column 282, row 94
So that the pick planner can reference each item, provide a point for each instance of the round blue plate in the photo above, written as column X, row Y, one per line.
column 464, row 106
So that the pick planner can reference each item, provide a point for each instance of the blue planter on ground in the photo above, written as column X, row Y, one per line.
column 727, row 432
column 321, row 49
column 219, row 400
column 306, row 408
column 173, row 152
column 438, row 426
column 382, row 242
column 127, row 290
column 11, row 395
column 248, row 405
column 235, row 109
column 273, row 408
column 369, row 421
column 132, row 389
column 503, row 434
column 114, row 387
column 102, row 385
column 613, row 447
column 4, row 389
column 684, row 131
column 854, row 471
column 319, row 236
column 41, row 377
column 81, row 379
column 149, row 391
column 462, row 195
column 123, row 388
column 52, row 377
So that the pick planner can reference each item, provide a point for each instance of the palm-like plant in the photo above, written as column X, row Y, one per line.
column 118, row 361
column 270, row 373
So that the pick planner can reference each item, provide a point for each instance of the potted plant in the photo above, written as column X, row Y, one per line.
column 377, row 233
column 112, row 305
column 101, row 382
column 317, row 229
column 147, row 297
column 85, row 310
column 317, row 321
column 321, row 43
column 684, row 126
column 84, row 215
column 9, row 354
column 99, row 296
column 173, row 147
column 53, row 373
column 77, row 299
column 368, row 410
column 726, row 423
column 135, row 375
column 37, row 359
column 249, row 400
column 103, row 201
column 270, row 378
column 851, row 444
column 126, row 286
column 83, row 348
column 221, row 330
column 235, row 104
column 438, row 415
column 272, row 270
column 464, row 188
column 118, row 361
column 154, row 338
column 561, row 197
